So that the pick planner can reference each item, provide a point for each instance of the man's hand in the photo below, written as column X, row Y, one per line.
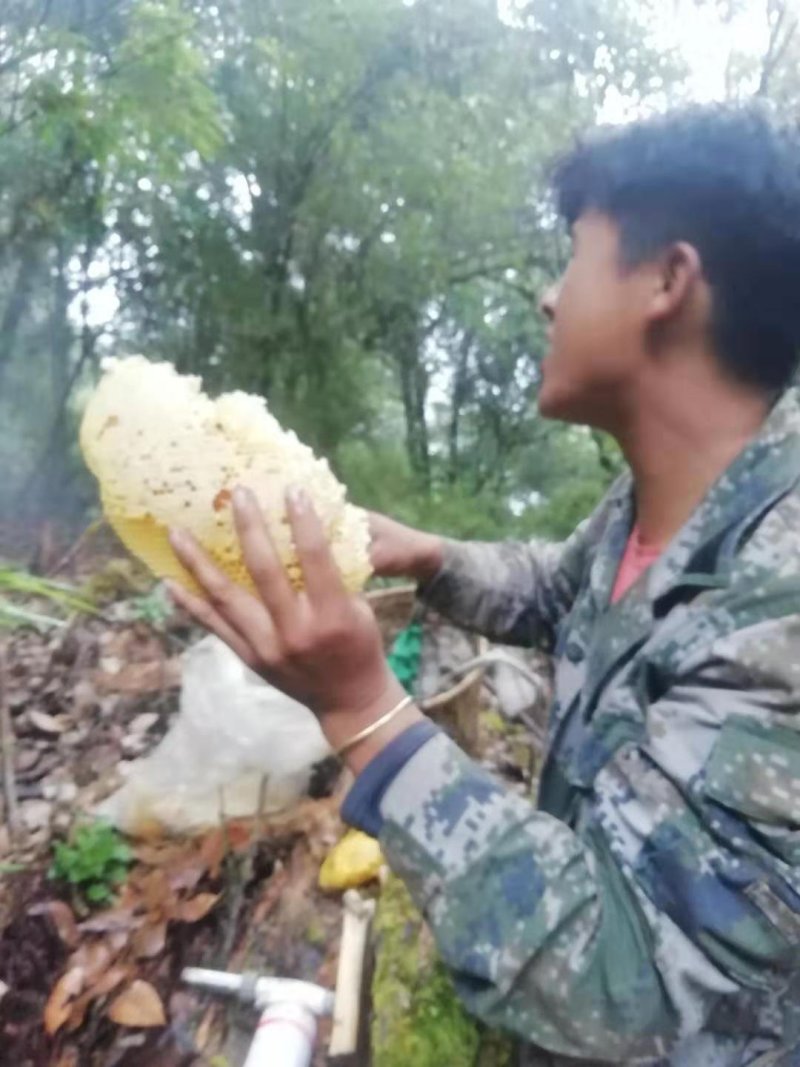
column 401, row 551
column 322, row 646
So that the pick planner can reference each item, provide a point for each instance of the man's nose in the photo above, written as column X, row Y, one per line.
column 547, row 305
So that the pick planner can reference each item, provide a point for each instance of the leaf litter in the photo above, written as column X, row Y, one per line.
column 101, row 987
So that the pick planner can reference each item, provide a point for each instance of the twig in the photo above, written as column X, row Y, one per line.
column 7, row 743
column 249, row 863
column 244, row 874
column 75, row 548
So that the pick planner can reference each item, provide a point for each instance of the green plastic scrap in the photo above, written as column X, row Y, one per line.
column 406, row 654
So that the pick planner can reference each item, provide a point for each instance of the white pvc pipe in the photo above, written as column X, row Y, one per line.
column 265, row 990
column 285, row 1037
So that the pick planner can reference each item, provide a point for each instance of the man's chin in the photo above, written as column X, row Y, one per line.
column 578, row 408
column 552, row 402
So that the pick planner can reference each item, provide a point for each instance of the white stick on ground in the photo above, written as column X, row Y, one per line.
column 358, row 914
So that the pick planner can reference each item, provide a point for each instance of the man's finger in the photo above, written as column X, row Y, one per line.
column 202, row 613
column 262, row 560
column 233, row 604
column 323, row 581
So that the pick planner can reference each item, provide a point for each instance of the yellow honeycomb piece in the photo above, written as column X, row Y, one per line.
column 166, row 455
column 356, row 859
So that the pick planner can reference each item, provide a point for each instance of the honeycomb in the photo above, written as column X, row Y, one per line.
column 166, row 455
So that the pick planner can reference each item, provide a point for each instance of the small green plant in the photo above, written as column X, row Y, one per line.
column 154, row 608
column 93, row 861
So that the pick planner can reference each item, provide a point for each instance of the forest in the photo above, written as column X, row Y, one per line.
column 341, row 205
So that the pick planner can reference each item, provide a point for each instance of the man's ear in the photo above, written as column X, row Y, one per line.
column 675, row 273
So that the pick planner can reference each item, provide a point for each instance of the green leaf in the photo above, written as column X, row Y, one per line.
column 97, row 893
column 94, row 859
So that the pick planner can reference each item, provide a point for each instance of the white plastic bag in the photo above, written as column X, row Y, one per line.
column 232, row 729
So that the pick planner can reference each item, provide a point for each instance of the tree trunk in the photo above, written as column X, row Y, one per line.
column 460, row 382
column 414, row 391
column 15, row 308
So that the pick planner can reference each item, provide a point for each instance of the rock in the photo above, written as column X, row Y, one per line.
column 35, row 814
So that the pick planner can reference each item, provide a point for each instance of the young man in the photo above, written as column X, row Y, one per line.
column 648, row 910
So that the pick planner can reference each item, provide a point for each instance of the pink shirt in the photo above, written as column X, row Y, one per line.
column 635, row 561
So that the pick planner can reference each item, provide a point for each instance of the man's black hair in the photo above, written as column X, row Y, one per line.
column 727, row 181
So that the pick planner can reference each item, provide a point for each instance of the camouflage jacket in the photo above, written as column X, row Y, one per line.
column 648, row 911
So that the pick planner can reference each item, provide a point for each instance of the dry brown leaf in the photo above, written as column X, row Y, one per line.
column 129, row 897
column 138, row 1005
column 157, row 895
column 77, row 1015
column 158, row 855
column 149, row 941
column 186, row 873
column 133, row 644
column 94, row 958
column 68, row 1058
column 118, row 939
column 192, row 911
column 59, row 1003
column 151, row 677
column 107, row 982
column 113, row 977
column 47, row 724
column 25, row 759
column 305, row 818
column 122, row 918
column 212, row 851
column 62, row 918
column 84, row 697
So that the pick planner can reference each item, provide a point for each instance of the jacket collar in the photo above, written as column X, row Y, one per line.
column 703, row 551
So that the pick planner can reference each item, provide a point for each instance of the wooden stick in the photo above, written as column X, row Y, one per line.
column 358, row 913
column 7, row 745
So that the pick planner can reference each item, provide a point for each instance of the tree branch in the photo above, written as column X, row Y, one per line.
column 780, row 38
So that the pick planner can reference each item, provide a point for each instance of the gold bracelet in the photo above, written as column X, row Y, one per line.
column 373, row 727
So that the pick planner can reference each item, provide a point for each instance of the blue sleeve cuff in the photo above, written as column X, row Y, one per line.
column 361, row 807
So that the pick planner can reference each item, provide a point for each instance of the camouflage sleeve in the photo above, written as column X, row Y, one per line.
column 513, row 592
column 542, row 936
column 672, row 907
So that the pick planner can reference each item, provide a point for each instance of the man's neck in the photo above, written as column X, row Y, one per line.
column 682, row 437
